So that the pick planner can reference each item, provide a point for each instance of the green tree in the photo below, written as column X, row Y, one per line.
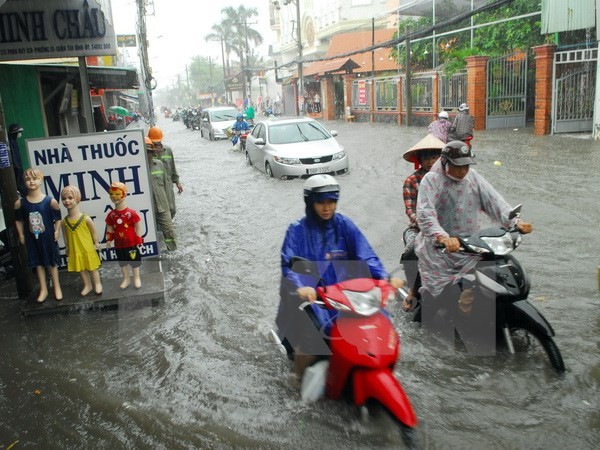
column 206, row 76
column 496, row 40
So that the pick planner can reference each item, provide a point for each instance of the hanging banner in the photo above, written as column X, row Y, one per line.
column 362, row 92
column 92, row 162
column 38, row 29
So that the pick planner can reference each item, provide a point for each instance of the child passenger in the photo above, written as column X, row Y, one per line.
column 81, row 242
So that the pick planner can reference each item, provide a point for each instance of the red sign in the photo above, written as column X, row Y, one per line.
column 362, row 93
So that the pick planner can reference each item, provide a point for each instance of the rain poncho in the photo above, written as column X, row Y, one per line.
column 446, row 207
column 440, row 129
column 462, row 126
column 341, row 252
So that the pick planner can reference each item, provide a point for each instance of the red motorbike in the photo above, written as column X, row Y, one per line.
column 364, row 350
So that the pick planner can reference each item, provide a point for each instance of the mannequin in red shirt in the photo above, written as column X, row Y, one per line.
column 124, row 229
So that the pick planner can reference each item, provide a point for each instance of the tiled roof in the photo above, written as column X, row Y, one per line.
column 348, row 42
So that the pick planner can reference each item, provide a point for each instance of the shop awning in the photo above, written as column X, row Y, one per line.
column 100, row 77
column 358, row 62
column 345, row 65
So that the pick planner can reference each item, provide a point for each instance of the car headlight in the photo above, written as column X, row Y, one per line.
column 289, row 161
column 500, row 245
column 338, row 155
column 365, row 303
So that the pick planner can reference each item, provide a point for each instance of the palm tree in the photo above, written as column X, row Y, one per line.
column 220, row 34
column 236, row 20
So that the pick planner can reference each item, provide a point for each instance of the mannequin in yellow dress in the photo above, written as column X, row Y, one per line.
column 81, row 241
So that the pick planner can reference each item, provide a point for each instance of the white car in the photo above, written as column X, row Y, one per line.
column 214, row 122
column 295, row 147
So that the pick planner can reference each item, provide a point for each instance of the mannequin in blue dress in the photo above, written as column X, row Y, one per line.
column 38, row 223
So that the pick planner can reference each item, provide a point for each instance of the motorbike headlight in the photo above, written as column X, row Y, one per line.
column 338, row 155
column 365, row 303
column 500, row 245
column 337, row 305
column 477, row 249
column 289, row 161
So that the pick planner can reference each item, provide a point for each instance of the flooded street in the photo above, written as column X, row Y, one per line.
column 199, row 371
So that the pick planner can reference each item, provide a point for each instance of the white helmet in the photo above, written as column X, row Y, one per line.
column 443, row 115
column 321, row 184
column 463, row 107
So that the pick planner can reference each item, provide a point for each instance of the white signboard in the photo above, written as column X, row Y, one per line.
column 92, row 162
column 38, row 29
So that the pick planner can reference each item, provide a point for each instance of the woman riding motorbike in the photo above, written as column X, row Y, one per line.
column 339, row 252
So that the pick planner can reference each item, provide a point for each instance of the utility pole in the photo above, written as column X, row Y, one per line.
column 300, row 56
column 596, row 126
column 224, row 72
column 146, row 72
column 249, row 77
column 212, row 97
column 242, row 65
column 407, row 80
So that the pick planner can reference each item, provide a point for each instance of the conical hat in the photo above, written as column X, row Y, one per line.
column 429, row 142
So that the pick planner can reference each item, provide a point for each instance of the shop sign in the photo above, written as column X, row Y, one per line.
column 39, row 29
column 235, row 83
column 126, row 40
column 92, row 162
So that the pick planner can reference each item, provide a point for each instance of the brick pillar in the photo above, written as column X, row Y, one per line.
column 544, row 60
column 477, row 88
column 328, row 97
column 400, row 101
column 436, row 95
column 348, row 79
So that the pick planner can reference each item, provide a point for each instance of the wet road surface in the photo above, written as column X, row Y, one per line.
column 199, row 370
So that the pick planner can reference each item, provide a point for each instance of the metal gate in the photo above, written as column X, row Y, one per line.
column 574, row 75
column 506, row 91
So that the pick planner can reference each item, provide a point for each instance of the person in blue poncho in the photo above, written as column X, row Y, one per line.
column 339, row 251
column 238, row 128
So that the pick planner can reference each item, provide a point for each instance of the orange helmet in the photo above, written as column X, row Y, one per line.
column 155, row 134
column 148, row 141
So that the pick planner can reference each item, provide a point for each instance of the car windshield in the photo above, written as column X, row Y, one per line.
column 290, row 133
column 228, row 114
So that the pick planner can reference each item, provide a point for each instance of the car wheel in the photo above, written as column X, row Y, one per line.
column 268, row 170
column 248, row 161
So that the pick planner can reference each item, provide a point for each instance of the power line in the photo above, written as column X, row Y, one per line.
column 416, row 34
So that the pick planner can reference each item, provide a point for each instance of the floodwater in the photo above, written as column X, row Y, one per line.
column 198, row 371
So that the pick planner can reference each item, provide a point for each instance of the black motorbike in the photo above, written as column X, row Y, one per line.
column 195, row 120
column 500, row 277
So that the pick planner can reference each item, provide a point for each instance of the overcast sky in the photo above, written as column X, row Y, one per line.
column 176, row 31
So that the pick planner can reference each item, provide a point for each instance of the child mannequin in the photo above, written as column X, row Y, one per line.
column 81, row 241
column 37, row 221
column 125, row 228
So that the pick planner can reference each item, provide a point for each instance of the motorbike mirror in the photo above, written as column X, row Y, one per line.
column 515, row 212
column 302, row 265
